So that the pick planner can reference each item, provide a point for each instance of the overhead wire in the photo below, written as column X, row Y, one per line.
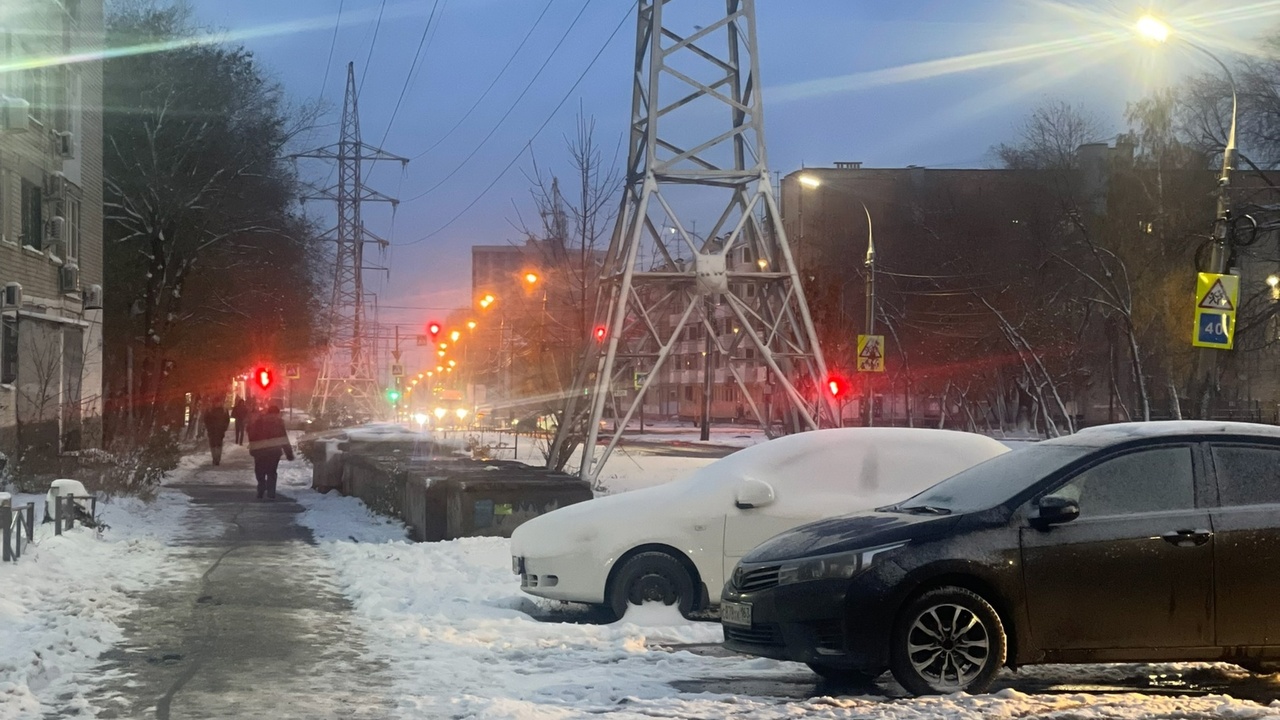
column 535, row 135
column 514, row 104
column 369, row 58
column 492, row 83
column 422, row 42
column 332, row 44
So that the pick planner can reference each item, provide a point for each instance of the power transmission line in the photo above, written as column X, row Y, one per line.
column 369, row 58
column 409, row 75
column 494, row 82
column 535, row 135
column 332, row 43
column 514, row 105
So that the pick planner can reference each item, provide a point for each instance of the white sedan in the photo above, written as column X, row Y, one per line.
column 675, row 543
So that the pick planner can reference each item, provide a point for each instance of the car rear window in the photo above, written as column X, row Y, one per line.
column 1247, row 475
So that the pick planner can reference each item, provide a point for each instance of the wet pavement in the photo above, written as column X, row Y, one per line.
column 259, row 631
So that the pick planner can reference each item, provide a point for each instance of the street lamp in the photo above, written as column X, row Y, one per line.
column 531, row 278
column 455, row 335
column 1154, row 30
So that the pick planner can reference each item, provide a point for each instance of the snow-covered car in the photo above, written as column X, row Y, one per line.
column 675, row 543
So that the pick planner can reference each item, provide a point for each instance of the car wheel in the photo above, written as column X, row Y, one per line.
column 947, row 640
column 652, row 577
column 846, row 676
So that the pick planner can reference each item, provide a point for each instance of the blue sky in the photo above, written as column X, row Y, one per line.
column 869, row 80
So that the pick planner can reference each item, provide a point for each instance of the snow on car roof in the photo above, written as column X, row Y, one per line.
column 1100, row 435
column 878, row 460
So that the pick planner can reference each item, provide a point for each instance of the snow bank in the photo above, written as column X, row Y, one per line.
column 61, row 603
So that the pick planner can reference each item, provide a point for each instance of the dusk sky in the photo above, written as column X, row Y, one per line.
column 911, row 82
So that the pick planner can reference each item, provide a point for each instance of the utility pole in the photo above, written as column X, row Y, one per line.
column 704, row 430
column 870, row 265
column 347, row 374
column 647, row 296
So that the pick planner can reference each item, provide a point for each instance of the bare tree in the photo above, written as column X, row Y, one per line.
column 1050, row 136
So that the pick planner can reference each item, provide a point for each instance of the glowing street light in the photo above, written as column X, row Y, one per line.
column 440, row 353
column 421, row 419
column 531, row 278
column 455, row 335
column 453, row 363
column 1153, row 29
column 762, row 264
column 439, row 368
column 440, row 413
column 1273, row 280
column 471, row 324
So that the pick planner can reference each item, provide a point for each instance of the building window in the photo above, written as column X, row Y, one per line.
column 8, row 350
column 32, row 215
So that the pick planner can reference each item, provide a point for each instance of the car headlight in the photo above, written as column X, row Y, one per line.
column 837, row 566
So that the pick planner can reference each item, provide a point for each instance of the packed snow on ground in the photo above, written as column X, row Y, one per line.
column 61, row 603
column 459, row 639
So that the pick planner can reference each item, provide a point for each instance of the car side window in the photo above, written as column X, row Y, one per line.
column 1247, row 475
column 1154, row 480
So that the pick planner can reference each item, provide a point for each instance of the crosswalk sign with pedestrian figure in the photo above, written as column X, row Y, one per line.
column 870, row 353
column 1217, row 298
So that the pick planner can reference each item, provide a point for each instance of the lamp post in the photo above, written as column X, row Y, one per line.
column 870, row 264
column 1156, row 31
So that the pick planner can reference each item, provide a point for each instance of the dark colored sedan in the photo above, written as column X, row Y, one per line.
column 1141, row 542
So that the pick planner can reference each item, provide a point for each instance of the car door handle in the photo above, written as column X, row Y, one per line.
column 1187, row 538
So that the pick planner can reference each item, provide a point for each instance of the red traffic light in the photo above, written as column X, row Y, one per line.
column 264, row 377
column 836, row 387
column 434, row 329
column 600, row 333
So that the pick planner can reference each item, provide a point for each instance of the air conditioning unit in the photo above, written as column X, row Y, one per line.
column 53, row 230
column 12, row 297
column 66, row 143
column 68, row 278
column 92, row 297
column 15, row 114
column 55, row 186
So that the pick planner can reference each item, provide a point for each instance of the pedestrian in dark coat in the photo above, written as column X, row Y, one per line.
column 240, row 413
column 267, row 441
column 216, row 421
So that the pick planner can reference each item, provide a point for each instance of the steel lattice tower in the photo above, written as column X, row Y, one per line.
column 347, row 376
column 696, row 146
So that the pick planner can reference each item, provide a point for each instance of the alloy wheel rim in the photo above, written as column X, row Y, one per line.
column 948, row 646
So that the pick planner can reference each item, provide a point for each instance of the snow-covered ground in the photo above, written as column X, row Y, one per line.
column 61, row 604
column 459, row 639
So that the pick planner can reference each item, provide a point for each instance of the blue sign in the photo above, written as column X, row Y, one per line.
column 1213, row 329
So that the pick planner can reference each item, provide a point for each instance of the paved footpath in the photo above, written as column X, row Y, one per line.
column 259, row 631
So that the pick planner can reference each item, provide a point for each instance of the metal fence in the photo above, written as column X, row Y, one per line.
column 18, row 524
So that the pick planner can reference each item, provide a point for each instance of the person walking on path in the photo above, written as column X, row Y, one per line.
column 240, row 413
column 267, row 440
column 216, row 421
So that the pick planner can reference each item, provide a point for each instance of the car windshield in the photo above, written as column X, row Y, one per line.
column 990, row 483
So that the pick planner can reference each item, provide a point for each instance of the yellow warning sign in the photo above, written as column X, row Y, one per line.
column 870, row 353
column 1217, row 297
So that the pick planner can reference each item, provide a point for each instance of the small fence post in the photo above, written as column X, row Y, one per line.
column 31, row 522
column 57, row 514
column 69, row 512
column 6, row 530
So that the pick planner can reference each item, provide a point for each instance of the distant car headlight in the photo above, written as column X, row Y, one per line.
column 837, row 566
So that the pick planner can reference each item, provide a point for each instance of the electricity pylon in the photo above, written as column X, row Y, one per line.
column 696, row 146
column 347, row 378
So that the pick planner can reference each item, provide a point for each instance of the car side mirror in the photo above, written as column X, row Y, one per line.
column 753, row 494
column 1054, row 510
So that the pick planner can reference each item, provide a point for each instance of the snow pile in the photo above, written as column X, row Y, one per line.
column 61, row 603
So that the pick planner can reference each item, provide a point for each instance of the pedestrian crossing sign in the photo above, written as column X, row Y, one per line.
column 870, row 353
column 1217, row 298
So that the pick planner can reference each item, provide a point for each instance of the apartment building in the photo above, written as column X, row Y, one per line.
column 51, row 224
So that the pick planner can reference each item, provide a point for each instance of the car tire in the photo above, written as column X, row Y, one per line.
column 846, row 676
column 652, row 577
column 947, row 640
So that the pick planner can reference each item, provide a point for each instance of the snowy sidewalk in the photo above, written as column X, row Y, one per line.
column 259, row 630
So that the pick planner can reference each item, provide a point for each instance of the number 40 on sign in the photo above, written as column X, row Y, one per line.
column 1217, row 298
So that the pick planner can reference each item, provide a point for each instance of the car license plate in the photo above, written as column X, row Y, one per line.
column 732, row 613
